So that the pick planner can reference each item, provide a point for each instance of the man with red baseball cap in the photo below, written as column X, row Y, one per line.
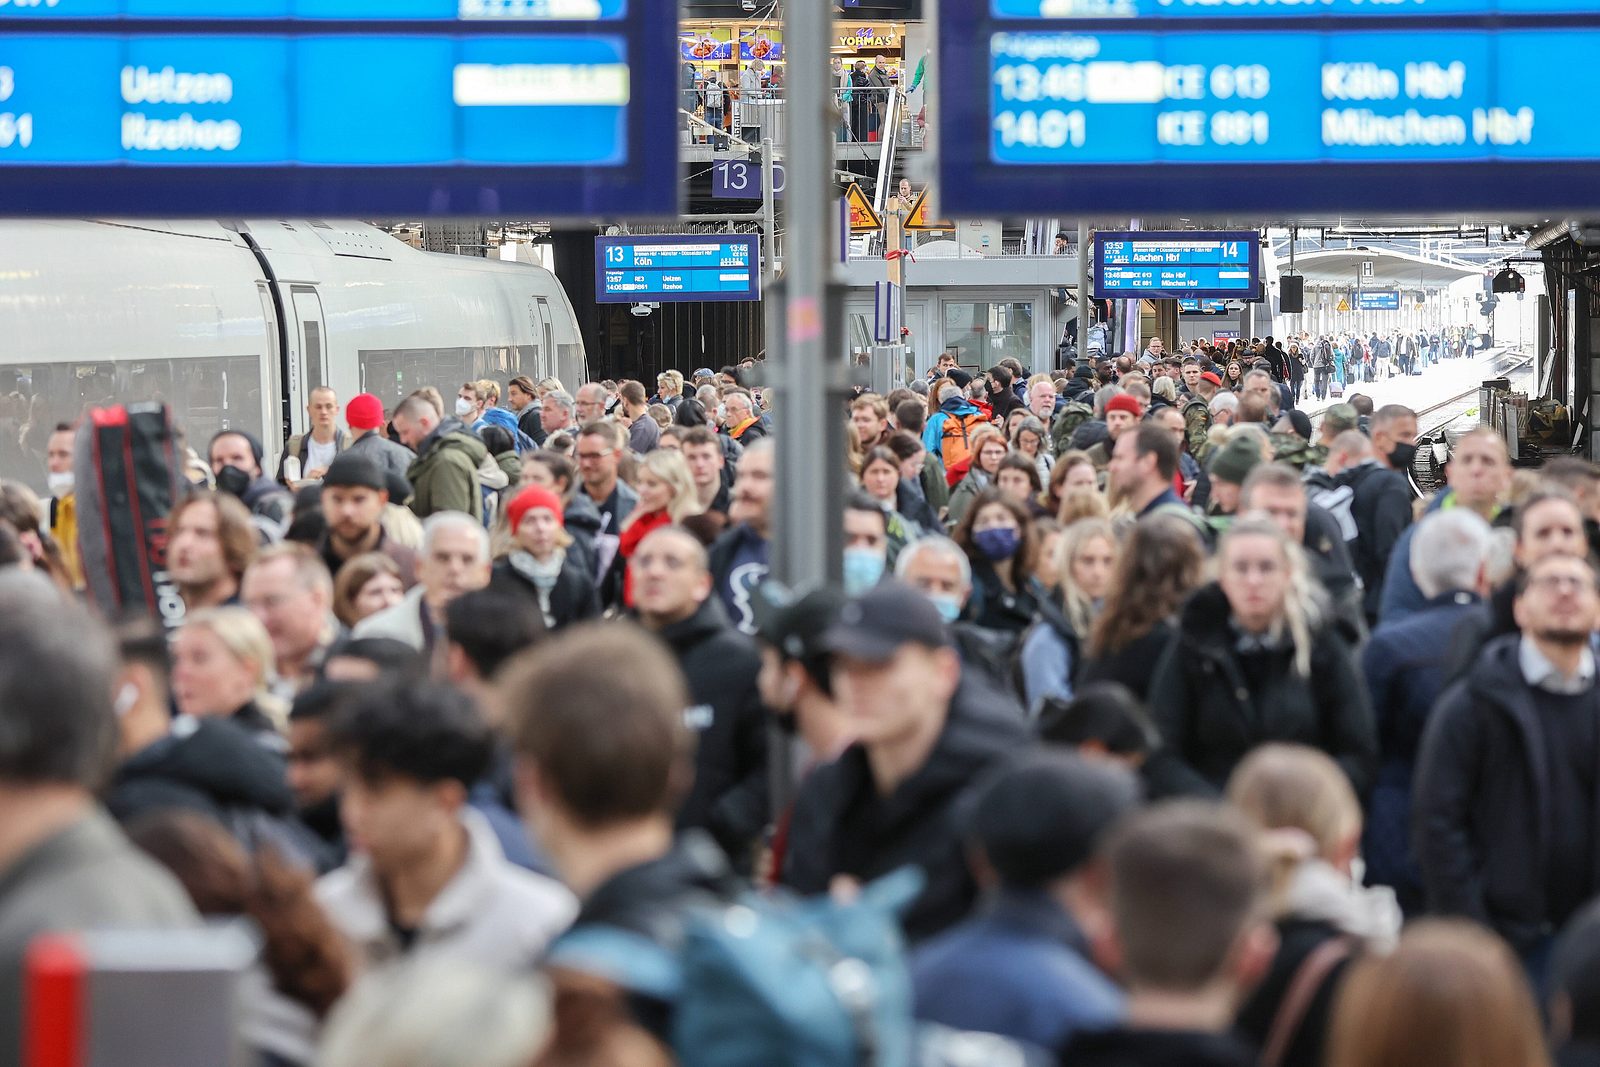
column 364, row 416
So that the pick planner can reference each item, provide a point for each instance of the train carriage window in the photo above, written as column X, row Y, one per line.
column 313, row 356
column 205, row 395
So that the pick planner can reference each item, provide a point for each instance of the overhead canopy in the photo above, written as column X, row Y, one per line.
column 1390, row 270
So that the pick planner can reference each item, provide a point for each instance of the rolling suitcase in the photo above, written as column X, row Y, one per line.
column 129, row 477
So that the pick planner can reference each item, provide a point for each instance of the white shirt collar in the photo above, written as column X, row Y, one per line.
column 1540, row 673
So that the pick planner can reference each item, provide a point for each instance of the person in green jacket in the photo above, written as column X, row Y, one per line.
column 444, row 476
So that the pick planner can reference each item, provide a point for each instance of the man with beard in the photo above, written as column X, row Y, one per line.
column 1504, row 815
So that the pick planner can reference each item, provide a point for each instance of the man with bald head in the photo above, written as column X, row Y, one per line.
column 672, row 596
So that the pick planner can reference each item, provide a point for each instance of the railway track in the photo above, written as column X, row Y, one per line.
column 1505, row 365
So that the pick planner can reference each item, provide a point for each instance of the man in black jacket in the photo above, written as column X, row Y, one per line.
column 212, row 766
column 925, row 732
column 672, row 593
column 1507, row 802
column 1373, row 506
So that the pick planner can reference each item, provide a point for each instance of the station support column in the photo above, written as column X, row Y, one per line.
column 811, row 361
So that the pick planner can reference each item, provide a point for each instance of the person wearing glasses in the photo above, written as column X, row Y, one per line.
column 1505, row 805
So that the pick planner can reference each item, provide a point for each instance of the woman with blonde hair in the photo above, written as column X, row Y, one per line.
column 666, row 496
column 1311, row 830
column 1451, row 995
column 1257, row 658
column 1052, row 647
column 221, row 664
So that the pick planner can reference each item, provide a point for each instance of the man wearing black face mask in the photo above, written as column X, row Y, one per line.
column 236, row 462
column 1394, row 437
column 794, row 683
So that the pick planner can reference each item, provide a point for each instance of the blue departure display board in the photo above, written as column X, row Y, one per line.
column 1156, row 264
column 544, row 108
column 677, row 267
column 1378, row 300
column 1202, row 307
column 1190, row 108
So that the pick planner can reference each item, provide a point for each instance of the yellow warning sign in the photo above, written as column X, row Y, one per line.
column 918, row 218
column 1344, row 305
column 863, row 219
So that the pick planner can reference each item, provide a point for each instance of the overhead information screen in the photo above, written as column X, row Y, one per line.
column 1188, row 106
column 1278, row 9
column 1378, row 300
column 672, row 268
column 1155, row 265
column 1202, row 307
column 436, row 107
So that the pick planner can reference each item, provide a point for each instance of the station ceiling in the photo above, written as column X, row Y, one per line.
column 1390, row 269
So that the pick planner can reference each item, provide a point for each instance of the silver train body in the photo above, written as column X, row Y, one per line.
column 233, row 323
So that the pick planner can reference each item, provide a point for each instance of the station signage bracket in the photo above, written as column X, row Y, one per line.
column 433, row 108
column 1195, row 108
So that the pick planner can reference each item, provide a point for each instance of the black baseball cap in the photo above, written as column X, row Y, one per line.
column 354, row 470
column 874, row 626
column 792, row 624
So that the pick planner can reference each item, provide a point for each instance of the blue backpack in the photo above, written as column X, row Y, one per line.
column 774, row 980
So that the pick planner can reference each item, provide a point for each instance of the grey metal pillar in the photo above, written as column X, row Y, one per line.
column 810, row 416
column 1084, row 318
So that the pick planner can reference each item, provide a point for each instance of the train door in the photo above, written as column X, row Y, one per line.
column 276, row 408
column 309, row 356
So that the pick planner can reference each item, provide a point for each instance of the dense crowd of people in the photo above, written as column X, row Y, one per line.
column 1150, row 725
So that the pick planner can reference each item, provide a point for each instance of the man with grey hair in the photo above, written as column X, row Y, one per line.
column 1407, row 665
column 558, row 412
column 454, row 560
column 1224, row 409
column 64, row 865
column 938, row 568
column 591, row 401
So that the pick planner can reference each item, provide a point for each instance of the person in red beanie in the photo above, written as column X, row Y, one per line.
column 364, row 416
column 538, row 565
column 1122, row 412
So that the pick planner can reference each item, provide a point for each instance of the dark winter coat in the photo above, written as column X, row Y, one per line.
column 729, row 796
column 1378, row 504
column 572, row 600
column 842, row 825
column 1405, row 665
column 1213, row 703
column 581, row 519
column 1481, row 812
column 1156, row 1048
column 1130, row 665
column 1297, row 940
column 218, row 769
column 995, row 607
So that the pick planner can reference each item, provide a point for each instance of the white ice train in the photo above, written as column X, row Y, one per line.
column 233, row 323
